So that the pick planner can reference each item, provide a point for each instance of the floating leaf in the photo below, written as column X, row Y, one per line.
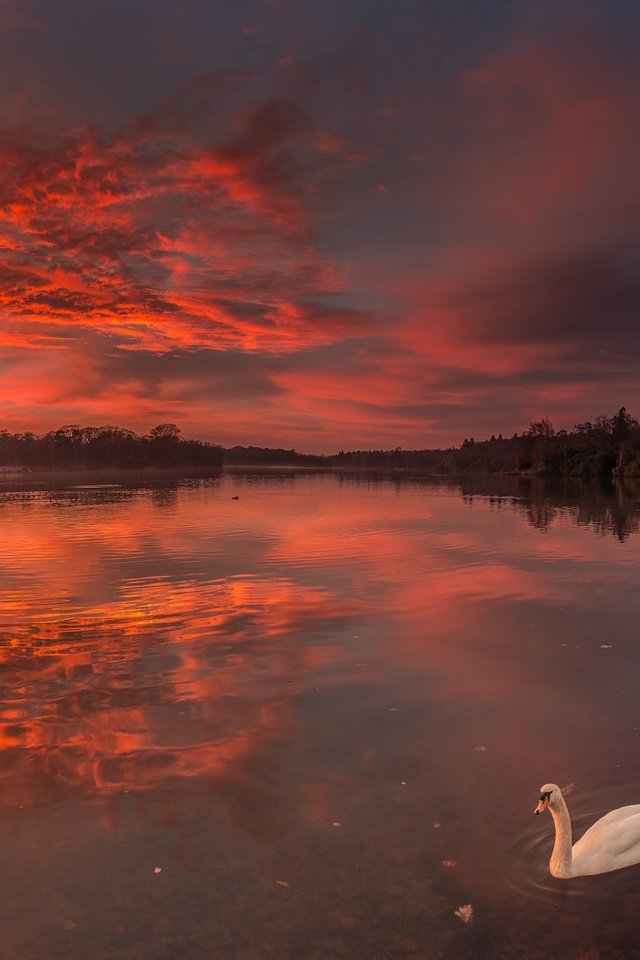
column 465, row 912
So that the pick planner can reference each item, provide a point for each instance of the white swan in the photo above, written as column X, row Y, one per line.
column 611, row 843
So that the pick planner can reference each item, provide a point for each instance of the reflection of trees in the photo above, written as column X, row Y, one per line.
column 611, row 507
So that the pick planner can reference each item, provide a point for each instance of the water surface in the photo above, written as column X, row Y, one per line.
column 312, row 722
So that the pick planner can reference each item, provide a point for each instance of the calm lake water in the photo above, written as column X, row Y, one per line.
column 312, row 722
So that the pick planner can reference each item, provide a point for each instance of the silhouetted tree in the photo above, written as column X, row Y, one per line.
column 165, row 431
column 73, row 447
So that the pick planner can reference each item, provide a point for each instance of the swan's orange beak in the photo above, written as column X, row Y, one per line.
column 542, row 804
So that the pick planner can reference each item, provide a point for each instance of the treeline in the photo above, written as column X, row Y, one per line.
column 98, row 448
column 605, row 447
column 271, row 457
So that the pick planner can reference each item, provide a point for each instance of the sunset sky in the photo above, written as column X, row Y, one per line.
column 321, row 225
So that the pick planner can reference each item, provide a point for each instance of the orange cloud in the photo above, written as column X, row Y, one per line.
column 242, row 218
column 163, row 242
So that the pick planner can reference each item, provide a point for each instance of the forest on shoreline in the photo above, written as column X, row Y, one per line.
column 608, row 446
column 99, row 448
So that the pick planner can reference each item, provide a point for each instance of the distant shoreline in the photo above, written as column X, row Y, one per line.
column 106, row 474
column 608, row 447
column 81, row 477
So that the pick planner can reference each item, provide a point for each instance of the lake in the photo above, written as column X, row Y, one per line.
column 312, row 722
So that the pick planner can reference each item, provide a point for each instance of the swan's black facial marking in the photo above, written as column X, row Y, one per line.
column 545, row 801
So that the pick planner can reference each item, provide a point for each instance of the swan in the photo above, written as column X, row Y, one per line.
column 611, row 843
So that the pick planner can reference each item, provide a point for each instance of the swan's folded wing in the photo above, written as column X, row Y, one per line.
column 610, row 844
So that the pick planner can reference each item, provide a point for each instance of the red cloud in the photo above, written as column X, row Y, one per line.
column 215, row 230
column 160, row 241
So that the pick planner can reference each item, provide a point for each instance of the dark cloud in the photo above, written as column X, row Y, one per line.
column 15, row 15
column 575, row 303
column 221, row 375
column 383, row 223
column 264, row 128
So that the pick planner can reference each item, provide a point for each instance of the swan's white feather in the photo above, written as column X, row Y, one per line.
column 613, row 842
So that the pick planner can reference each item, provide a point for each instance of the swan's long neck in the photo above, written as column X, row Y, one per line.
column 560, row 863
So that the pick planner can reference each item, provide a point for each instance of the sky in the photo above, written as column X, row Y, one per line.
column 331, row 225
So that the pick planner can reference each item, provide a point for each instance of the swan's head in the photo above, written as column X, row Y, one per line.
column 550, row 795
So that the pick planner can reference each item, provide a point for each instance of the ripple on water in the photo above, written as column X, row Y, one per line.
column 531, row 850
